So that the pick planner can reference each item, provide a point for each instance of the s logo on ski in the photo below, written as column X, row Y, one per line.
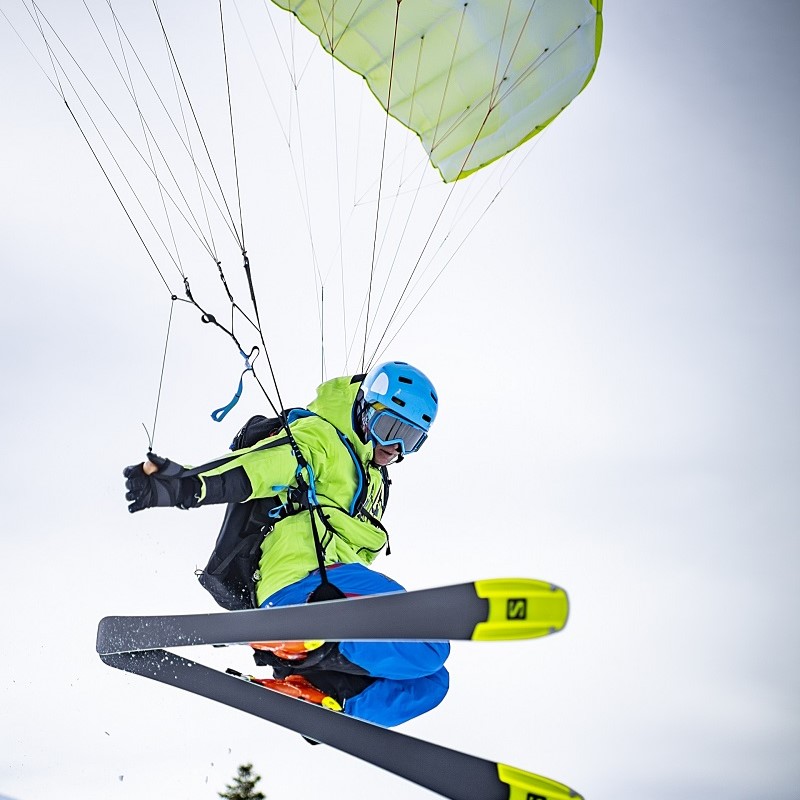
column 517, row 608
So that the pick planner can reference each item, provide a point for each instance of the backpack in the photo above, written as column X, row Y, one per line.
column 232, row 572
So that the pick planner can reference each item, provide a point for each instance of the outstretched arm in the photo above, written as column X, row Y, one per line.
column 259, row 471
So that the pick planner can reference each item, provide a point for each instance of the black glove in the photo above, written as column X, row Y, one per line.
column 164, row 488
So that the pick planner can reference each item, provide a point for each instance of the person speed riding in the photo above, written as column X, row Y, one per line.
column 325, row 474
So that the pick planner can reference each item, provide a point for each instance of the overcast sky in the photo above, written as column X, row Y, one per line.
column 616, row 350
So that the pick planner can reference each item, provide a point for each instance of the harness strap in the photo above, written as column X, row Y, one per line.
column 305, row 497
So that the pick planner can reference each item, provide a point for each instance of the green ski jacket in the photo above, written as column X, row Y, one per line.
column 288, row 553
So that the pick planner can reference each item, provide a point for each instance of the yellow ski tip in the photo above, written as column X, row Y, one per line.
column 520, row 608
column 527, row 786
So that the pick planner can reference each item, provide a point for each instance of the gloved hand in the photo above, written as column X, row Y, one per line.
column 162, row 486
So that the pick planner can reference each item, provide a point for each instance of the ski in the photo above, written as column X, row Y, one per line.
column 486, row 610
column 450, row 773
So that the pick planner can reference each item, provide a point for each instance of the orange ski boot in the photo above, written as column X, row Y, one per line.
column 289, row 651
column 298, row 686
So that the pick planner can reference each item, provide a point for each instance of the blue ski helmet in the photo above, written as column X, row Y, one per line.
column 401, row 405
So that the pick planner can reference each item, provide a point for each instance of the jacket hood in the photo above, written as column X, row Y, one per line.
column 334, row 401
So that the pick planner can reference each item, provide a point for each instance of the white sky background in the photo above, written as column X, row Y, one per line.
column 616, row 350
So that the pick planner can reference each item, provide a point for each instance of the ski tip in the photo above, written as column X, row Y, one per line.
column 527, row 786
column 105, row 628
column 520, row 608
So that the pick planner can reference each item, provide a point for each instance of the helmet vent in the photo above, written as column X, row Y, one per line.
column 404, row 379
column 398, row 401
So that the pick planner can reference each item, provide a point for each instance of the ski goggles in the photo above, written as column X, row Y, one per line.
column 387, row 428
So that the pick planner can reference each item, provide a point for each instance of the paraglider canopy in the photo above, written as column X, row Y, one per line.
column 473, row 80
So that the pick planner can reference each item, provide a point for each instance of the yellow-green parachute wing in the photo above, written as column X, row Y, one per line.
column 473, row 79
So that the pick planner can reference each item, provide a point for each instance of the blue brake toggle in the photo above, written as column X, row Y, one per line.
column 220, row 413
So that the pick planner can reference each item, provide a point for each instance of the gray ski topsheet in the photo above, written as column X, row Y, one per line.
column 493, row 609
column 449, row 773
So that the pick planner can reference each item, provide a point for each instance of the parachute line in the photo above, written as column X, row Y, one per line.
column 60, row 89
column 233, row 134
column 193, row 225
column 152, row 437
column 132, row 91
column 205, row 315
column 413, row 205
column 240, row 238
column 197, row 124
column 380, row 183
column 103, row 139
column 186, row 142
column 339, row 228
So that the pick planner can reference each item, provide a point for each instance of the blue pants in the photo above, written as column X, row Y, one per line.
column 411, row 676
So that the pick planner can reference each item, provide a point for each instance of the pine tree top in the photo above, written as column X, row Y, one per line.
column 243, row 786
